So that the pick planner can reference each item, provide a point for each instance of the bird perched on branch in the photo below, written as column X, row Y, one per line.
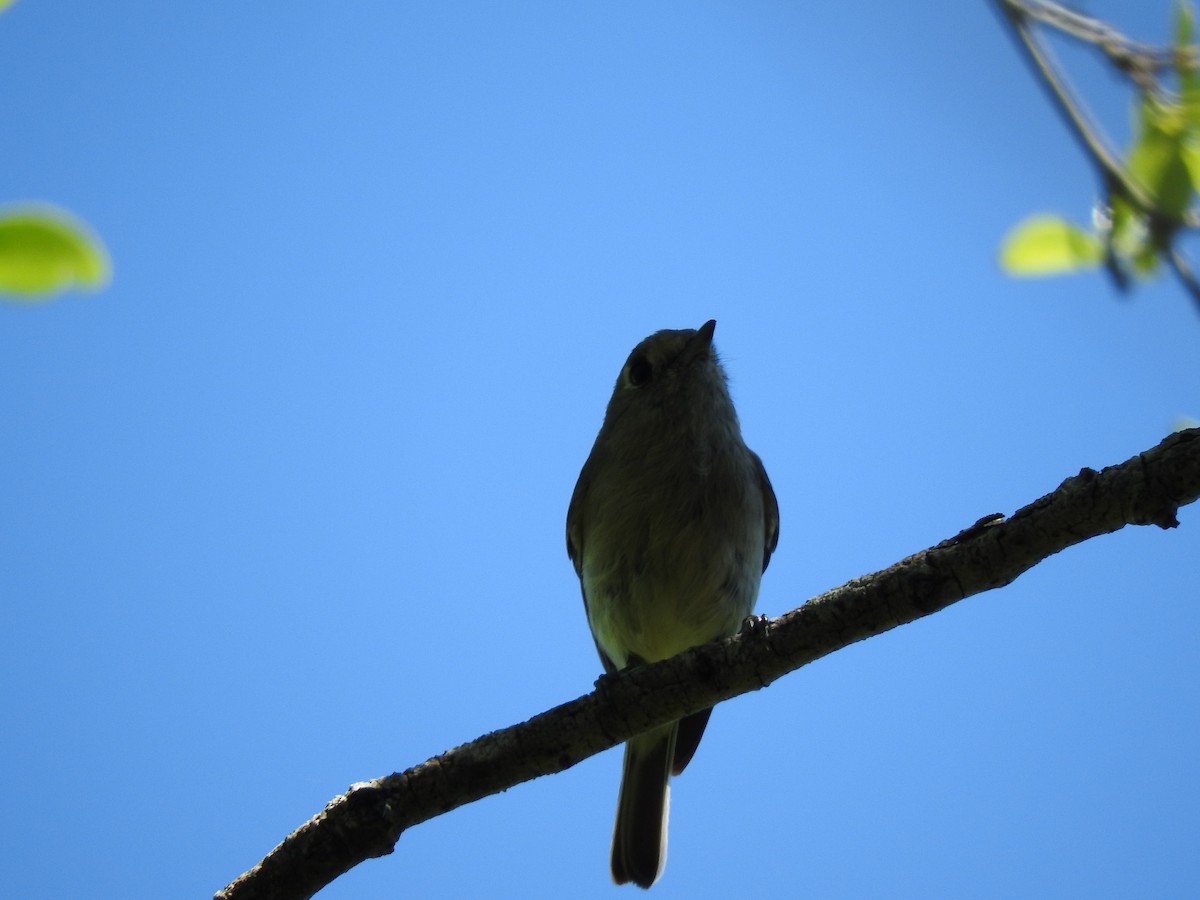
column 670, row 527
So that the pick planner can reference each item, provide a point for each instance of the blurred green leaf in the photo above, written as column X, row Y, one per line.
column 1146, row 259
column 1157, row 161
column 1122, row 217
column 1185, row 24
column 44, row 251
column 6, row 3
column 1129, row 232
column 1130, row 239
column 1049, row 245
column 1190, row 152
column 1185, row 62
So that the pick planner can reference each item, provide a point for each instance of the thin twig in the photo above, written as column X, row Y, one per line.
column 1074, row 111
column 1128, row 55
column 1141, row 62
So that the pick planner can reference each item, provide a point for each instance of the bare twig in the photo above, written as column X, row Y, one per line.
column 367, row 821
column 1137, row 59
column 1142, row 63
column 1073, row 110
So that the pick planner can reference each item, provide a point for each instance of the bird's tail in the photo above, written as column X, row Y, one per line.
column 639, row 848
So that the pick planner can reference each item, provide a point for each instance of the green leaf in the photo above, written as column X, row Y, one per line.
column 5, row 3
column 1049, row 245
column 1184, row 24
column 1145, row 261
column 1185, row 65
column 44, row 251
column 1129, row 231
column 1190, row 153
column 1157, row 160
column 1129, row 238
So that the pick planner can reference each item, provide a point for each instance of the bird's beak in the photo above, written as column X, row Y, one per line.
column 699, row 346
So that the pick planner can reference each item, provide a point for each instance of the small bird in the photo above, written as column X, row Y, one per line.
column 670, row 527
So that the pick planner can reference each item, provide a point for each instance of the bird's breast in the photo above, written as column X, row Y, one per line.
column 675, row 564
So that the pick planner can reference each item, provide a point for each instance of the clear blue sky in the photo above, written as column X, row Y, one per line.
column 283, row 508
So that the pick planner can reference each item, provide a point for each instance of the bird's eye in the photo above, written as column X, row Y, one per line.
column 639, row 371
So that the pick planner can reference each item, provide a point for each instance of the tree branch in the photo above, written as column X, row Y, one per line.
column 1127, row 55
column 1069, row 105
column 1141, row 63
column 1072, row 109
column 367, row 821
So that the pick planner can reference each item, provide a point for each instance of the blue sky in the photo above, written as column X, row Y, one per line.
column 283, row 508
